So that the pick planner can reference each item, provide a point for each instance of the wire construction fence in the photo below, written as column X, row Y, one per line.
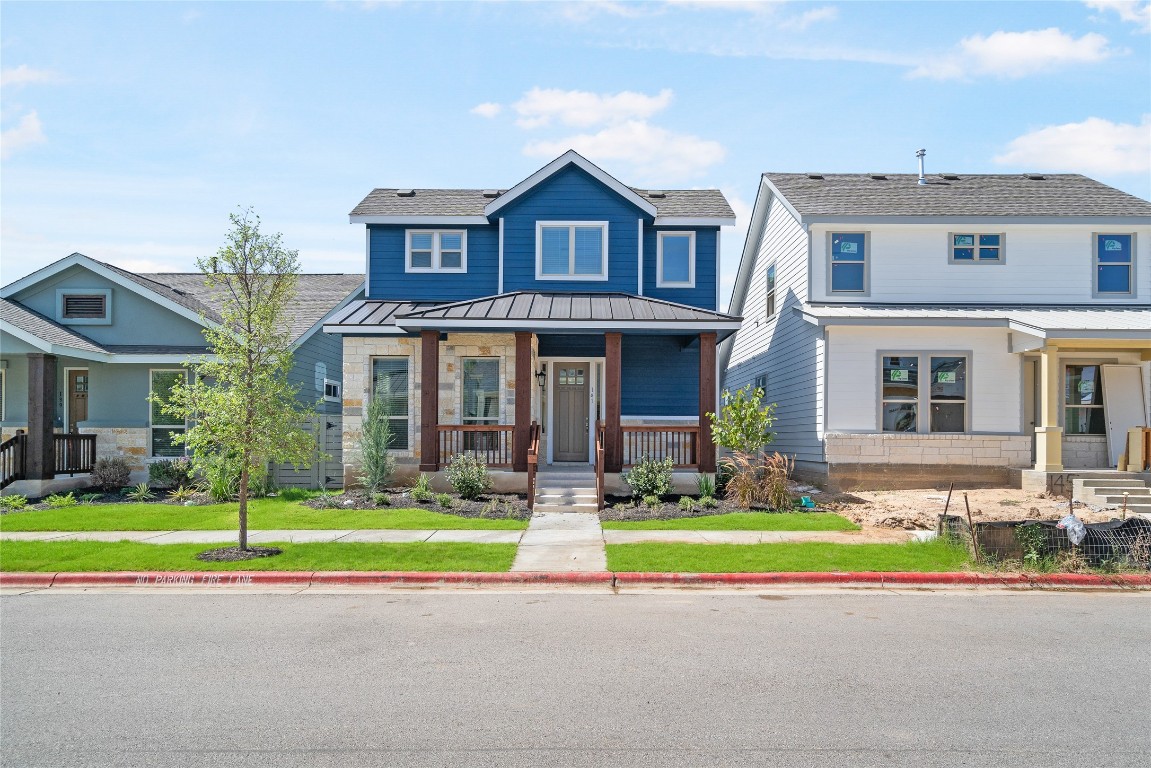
column 1116, row 544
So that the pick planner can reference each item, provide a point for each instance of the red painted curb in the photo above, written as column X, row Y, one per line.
column 184, row 579
column 748, row 579
column 18, row 579
column 427, row 578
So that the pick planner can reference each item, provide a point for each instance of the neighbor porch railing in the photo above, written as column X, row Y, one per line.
column 490, row 442
column 533, row 462
column 12, row 460
column 599, row 464
column 681, row 444
column 74, row 453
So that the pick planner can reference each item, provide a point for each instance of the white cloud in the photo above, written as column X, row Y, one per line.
column 807, row 18
column 1016, row 54
column 26, row 75
column 655, row 154
column 488, row 109
column 1137, row 13
column 28, row 132
column 583, row 109
column 1093, row 146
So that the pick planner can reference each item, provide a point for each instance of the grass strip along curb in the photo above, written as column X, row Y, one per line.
column 303, row 579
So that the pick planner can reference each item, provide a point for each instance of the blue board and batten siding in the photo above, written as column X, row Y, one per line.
column 569, row 195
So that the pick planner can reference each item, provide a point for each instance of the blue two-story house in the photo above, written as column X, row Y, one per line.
column 566, row 300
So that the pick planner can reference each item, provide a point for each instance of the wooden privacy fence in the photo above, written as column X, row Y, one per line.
column 12, row 460
column 490, row 442
column 74, row 453
column 681, row 444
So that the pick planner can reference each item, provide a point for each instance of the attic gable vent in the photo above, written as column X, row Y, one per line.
column 879, row 177
column 815, row 175
column 85, row 306
column 405, row 193
column 491, row 193
column 1035, row 176
column 657, row 194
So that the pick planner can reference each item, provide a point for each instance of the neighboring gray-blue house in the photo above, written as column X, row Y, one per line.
column 106, row 337
column 566, row 300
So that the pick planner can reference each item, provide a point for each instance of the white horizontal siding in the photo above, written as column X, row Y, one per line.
column 1043, row 264
column 995, row 396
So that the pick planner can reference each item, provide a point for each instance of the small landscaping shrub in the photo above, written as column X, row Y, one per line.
column 89, row 498
column 181, row 494
column 381, row 499
column 708, row 502
column 444, row 500
column 294, row 494
column 422, row 490
column 621, row 505
column 326, row 500
column 140, row 492
column 375, row 439
column 170, row 473
column 15, row 501
column 222, row 475
column 652, row 501
column 58, row 501
column 509, row 510
column 468, row 475
column 650, row 477
column 111, row 473
column 705, row 485
column 686, row 503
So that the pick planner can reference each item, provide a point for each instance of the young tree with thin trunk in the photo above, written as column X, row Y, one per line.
column 240, row 401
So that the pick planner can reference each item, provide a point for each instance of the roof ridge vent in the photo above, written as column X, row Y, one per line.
column 405, row 193
column 656, row 193
column 950, row 176
column 1035, row 176
column 815, row 176
column 492, row 193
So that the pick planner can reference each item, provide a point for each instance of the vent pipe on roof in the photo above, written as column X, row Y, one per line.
column 920, row 154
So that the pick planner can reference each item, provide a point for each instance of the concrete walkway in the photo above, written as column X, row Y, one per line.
column 562, row 541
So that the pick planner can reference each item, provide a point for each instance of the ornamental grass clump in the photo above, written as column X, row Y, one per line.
column 422, row 490
column 650, row 477
column 468, row 475
column 759, row 481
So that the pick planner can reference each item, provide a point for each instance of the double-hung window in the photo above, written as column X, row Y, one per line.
column 675, row 259
column 848, row 263
column 975, row 248
column 164, row 426
column 1114, row 265
column 437, row 250
column 390, row 385
column 571, row 250
column 1083, row 401
column 904, row 390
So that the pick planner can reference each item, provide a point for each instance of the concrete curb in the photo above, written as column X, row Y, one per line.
column 304, row 579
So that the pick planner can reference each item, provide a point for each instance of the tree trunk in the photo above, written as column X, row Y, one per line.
column 244, row 506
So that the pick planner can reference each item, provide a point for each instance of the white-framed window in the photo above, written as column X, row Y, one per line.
column 675, row 259
column 391, row 384
column 84, row 306
column 1083, row 410
column 848, row 262
column 571, row 250
column 1114, row 258
column 770, row 280
column 331, row 390
column 977, row 248
column 162, row 426
column 904, row 392
column 434, row 250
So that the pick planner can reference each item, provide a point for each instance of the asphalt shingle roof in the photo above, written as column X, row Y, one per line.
column 471, row 202
column 862, row 194
column 45, row 328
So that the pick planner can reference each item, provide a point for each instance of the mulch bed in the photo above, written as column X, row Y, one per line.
column 627, row 509
column 235, row 554
column 502, row 505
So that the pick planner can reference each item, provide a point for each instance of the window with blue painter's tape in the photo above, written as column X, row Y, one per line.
column 569, row 250
column 676, row 260
column 973, row 248
column 848, row 262
column 1114, row 264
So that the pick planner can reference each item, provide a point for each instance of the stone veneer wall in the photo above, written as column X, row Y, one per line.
column 358, row 354
column 9, row 431
column 898, row 448
column 130, row 443
column 1085, row 452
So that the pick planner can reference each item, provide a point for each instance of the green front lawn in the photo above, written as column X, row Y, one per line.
column 932, row 556
column 741, row 521
column 51, row 556
column 263, row 515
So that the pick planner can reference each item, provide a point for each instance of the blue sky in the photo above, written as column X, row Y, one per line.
column 131, row 130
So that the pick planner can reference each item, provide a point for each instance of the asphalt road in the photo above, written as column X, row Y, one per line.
column 560, row 679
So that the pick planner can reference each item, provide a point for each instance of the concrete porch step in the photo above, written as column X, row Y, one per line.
column 555, row 490
column 590, row 509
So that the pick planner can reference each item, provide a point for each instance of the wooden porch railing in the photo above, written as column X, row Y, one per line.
column 490, row 442
column 12, row 460
column 679, row 443
column 533, row 462
column 74, row 453
column 599, row 461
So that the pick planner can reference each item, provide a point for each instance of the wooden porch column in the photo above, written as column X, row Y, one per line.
column 613, row 437
column 429, row 400
column 40, row 455
column 521, row 433
column 1048, row 434
column 706, row 400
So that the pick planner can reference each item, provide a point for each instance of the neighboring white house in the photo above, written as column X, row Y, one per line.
column 916, row 330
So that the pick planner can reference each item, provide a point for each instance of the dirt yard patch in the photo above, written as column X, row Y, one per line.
column 919, row 509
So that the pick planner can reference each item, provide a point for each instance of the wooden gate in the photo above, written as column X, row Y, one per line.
column 325, row 471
